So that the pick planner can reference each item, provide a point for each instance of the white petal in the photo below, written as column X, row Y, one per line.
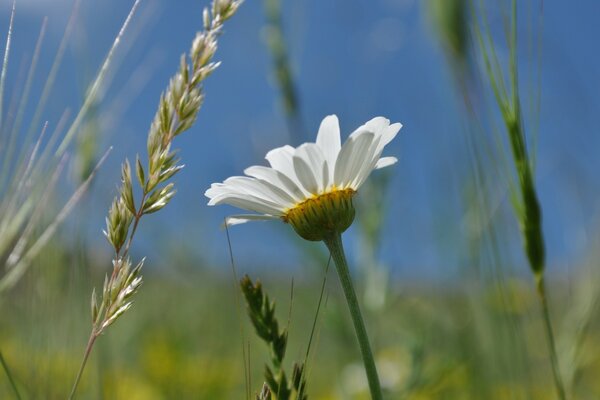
column 261, row 189
column 383, row 136
column 342, row 161
column 312, row 155
column 385, row 162
column 352, row 157
column 276, row 178
column 306, row 176
column 328, row 139
column 247, row 202
column 238, row 187
column 369, row 159
column 388, row 134
column 375, row 125
column 243, row 218
column 281, row 159
column 219, row 189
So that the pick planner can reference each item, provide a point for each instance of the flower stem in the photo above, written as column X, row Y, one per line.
column 86, row 355
column 541, row 290
column 335, row 246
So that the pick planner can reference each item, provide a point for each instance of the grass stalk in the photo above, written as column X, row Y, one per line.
column 12, row 382
column 16, row 272
column 525, row 198
column 5, row 59
column 238, row 304
column 177, row 111
column 336, row 248
column 86, row 355
column 12, row 137
column 541, row 291
column 282, row 69
column 92, row 96
column 51, row 78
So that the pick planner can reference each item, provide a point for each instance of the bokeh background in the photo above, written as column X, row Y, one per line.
column 452, row 312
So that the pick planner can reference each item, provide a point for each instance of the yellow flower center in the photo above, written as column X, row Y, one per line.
column 322, row 215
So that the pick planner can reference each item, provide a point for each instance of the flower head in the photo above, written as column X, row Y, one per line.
column 310, row 186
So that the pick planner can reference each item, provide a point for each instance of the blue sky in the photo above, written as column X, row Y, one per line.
column 357, row 59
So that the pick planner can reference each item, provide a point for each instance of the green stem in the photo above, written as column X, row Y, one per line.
column 541, row 289
column 336, row 248
column 10, row 378
column 86, row 355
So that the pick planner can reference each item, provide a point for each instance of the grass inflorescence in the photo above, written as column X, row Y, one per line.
column 261, row 311
column 177, row 111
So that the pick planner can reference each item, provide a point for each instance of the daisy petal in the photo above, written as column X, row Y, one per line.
column 276, row 178
column 382, row 138
column 388, row 134
column 312, row 155
column 385, row 162
column 328, row 139
column 342, row 161
column 247, row 202
column 375, row 125
column 367, row 165
column 306, row 175
column 281, row 159
column 352, row 158
column 259, row 189
column 243, row 218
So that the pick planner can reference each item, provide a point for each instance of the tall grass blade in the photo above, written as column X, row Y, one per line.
column 12, row 137
column 282, row 69
column 12, row 382
column 95, row 88
column 51, row 78
column 238, row 307
column 5, row 60
column 15, row 273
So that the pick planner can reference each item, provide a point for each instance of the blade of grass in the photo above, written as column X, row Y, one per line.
column 276, row 44
column 27, row 214
column 15, row 273
column 9, row 376
column 92, row 95
column 315, row 320
column 5, row 60
column 12, row 137
column 49, row 82
column 238, row 306
column 15, row 206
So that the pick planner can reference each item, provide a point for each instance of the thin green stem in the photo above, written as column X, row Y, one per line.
column 541, row 290
column 335, row 246
column 13, row 384
column 86, row 355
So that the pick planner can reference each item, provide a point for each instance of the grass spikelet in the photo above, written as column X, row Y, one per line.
column 261, row 311
column 505, row 86
column 177, row 111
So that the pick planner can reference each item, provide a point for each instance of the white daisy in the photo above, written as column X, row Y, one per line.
column 311, row 186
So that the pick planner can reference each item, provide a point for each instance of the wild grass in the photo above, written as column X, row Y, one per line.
column 177, row 112
column 31, row 168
